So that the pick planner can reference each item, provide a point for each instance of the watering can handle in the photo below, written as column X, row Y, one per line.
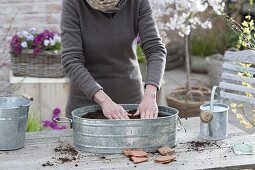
column 179, row 120
column 62, row 120
column 213, row 95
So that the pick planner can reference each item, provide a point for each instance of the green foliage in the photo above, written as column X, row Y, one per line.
column 216, row 40
column 33, row 122
column 140, row 54
column 56, row 47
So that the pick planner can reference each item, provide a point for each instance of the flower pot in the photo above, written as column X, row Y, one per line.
column 214, row 68
column 46, row 64
column 198, row 64
column 188, row 102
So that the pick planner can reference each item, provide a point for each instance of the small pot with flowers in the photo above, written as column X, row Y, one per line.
column 36, row 54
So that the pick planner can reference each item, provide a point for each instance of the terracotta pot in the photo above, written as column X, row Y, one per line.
column 188, row 102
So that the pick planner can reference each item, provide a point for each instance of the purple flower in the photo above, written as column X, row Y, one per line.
column 62, row 127
column 47, row 34
column 38, row 41
column 56, row 111
column 52, row 124
column 16, row 45
column 46, row 123
column 138, row 40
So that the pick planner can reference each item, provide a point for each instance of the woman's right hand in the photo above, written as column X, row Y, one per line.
column 110, row 109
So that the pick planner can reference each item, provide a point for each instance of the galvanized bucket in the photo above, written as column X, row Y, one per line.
column 13, row 120
column 112, row 136
column 216, row 128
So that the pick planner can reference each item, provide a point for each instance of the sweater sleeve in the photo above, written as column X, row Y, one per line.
column 151, row 44
column 72, row 51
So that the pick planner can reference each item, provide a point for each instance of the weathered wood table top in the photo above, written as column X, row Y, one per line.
column 40, row 153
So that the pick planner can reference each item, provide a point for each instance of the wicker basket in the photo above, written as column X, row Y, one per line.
column 44, row 65
column 188, row 103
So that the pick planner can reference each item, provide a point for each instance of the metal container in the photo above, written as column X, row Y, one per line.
column 13, row 119
column 112, row 136
column 217, row 127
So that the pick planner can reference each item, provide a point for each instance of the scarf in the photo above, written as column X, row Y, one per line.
column 106, row 6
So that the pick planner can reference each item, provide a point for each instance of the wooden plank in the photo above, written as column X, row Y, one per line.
column 233, row 77
column 187, row 158
column 31, row 80
column 40, row 146
column 236, row 97
column 237, row 88
column 246, row 56
column 238, row 68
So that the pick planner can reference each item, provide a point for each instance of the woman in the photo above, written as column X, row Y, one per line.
column 99, row 55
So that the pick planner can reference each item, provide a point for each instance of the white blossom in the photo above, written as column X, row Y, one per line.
column 29, row 37
column 32, row 30
column 25, row 33
column 217, row 5
column 46, row 42
column 24, row 44
column 57, row 38
column 183, row 14
column 206, row 24
column 52, row 42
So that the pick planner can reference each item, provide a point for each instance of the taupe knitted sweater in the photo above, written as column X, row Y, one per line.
column 100, row 52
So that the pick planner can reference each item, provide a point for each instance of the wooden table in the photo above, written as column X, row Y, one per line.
column 39, row 149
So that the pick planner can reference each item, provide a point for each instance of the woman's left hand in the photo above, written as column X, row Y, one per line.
column 148, row 107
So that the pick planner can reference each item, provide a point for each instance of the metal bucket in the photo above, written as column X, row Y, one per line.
column 217, row 127
column 13, row 120
column 112, row 136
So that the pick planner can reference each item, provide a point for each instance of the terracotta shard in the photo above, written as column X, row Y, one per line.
column 138, row 153
column 137, row 160
column 127, row 152
column 165, row 150
column 165, row 159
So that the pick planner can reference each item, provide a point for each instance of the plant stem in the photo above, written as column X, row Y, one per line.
column 187, row 60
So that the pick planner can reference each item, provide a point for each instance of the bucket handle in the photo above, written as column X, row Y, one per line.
column 27, row 97
column 183, row 127
column 213, row 95
column 62, row 120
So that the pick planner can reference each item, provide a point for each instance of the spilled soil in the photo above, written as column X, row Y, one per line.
column 66, row 149
column 66, row 153
column 201, row 145
column 99, row 115
column 48, row 163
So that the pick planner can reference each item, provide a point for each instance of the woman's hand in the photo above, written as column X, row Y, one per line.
column 148, row 107
column 110, row 109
